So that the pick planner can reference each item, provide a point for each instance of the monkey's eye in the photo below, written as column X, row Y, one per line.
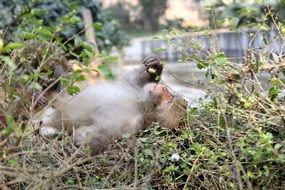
column 168, row 103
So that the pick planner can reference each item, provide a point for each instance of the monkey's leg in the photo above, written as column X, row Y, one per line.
column 96, row 139
column 43, row 122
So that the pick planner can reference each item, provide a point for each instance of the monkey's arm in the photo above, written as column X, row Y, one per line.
column 150, row 71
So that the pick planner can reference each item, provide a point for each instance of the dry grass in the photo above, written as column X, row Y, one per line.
column 233, row 141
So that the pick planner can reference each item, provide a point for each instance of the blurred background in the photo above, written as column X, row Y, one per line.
column 132, row 29
column 226, row 57
column 166, row 27
column 142, row 20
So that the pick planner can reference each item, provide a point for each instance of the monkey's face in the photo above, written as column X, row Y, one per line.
column 170, row 110
column 161, row 94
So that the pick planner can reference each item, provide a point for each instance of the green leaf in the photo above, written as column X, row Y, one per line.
column 160, row 49
column 273, row 81
column 273, row 92
column 97, row 26
column 277, row 146
column 11, row 124
column 44, row 32
column 11, row 46
column 1, row 44
column 234, row 22
column 202, row 65
column 220, row 59
column 71, row 90
column 38, row 12
column 169, row 169
column 74, row 20
column 9, row 62
column 12, row 162
column 197, row 148
column 35, row 86
column 269, row 136
column 72, row 6
column 28, row 35
column 104, row 69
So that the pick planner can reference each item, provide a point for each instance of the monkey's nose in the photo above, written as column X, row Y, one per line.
column 153, row 88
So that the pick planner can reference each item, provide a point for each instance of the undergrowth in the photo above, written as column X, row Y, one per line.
column 233, row 140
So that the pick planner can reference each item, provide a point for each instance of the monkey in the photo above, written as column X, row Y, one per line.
column 103, row 112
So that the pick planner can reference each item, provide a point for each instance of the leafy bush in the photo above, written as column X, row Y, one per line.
column 21, row 19
column 244, row 13
column 233, row 140
column 32, row 66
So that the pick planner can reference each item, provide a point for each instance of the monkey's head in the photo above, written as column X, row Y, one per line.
column 170, row 110
column 159, row 94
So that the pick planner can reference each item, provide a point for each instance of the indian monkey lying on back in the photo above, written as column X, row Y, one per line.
column 103, row 112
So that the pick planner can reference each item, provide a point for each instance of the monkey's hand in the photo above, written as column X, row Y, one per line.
column 154, row 65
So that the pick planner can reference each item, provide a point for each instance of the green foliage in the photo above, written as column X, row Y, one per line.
column 235, row 138
column 235, row 13
column 33, row 65
column 48, row 19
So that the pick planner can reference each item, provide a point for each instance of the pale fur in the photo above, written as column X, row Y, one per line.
column 105, row 111
column 112, row 108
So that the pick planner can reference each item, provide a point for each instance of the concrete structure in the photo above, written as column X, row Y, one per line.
column 235, row 44
column 187, row 79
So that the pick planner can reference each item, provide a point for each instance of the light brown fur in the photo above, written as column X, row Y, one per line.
column 103, row 112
